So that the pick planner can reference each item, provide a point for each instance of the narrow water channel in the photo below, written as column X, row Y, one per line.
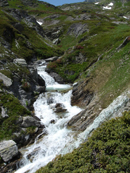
column 56, row 137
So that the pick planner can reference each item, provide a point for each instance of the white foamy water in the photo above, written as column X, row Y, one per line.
column 51, row 84
column 57, row 135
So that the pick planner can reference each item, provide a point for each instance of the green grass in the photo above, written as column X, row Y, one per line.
column 14, row 110
column 107, row 150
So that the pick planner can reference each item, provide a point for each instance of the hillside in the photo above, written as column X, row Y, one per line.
column 91, row 42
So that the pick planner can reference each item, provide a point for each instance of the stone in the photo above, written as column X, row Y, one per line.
column 40, row 80
column 29, row 121
column 3, row 3
column 52, row 121
column 6, row 81
column 56, row 41
column 57, row 77
column 21, row 62
column 4, row 113
column 8, row 150
column 52, row 59
column 40, row 89
column 59, row 108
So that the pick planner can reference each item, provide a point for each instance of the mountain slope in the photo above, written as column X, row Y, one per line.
column 92, row 49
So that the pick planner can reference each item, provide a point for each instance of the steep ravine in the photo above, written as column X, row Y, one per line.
column 57, row 139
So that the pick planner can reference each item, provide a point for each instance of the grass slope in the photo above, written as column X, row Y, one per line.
column 107, row 150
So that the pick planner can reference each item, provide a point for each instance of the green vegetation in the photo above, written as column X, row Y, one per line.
column 14, row 109
column 107, row 150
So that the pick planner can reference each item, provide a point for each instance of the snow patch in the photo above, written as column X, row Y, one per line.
column 108, row 7
column 125, row 17
column 40, row 23
column 96, row 3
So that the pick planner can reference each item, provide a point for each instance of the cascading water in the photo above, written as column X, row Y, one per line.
column 58, row 139
column 57, row 135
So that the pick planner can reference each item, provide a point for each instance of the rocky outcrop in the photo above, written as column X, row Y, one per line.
column 21, row 62
column 82, row 120
column 8, row 150
column 125, row 42
column 80, row 95
column 77, row 29
column 22, row 15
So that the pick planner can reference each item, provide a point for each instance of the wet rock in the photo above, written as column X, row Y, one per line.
column 52, row 121
column 8, row 150
column 59, row 108
column 30, row 121
column 40, row 81
column 6, row 81
column 50, row 100
column 21, row 62
column 56, row 77
column 35, row 152
column 40, row 89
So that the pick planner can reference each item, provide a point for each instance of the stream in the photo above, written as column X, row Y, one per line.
column 56, row 138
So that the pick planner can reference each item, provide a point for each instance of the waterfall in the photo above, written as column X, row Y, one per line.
column 56, row 138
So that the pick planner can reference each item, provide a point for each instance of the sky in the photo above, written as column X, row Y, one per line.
column 61, row 2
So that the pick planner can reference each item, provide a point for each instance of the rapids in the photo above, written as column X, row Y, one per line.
column 56, row 135
column 56, row 138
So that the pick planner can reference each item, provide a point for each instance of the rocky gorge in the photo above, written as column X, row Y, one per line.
column 85, row 46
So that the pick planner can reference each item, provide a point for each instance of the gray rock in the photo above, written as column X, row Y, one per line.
column 30, row 121
column 77, row 29
column 57, row 77
column 4, row 113
column 8, row 149
column 56, row 41
column 6, row 81
column 52, row 59
column 3, row 3
column 40, row 89
column 59, row 108
column 21, row 62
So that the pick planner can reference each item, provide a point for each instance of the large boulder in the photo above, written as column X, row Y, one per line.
column 21, row 62
column 57, row 77
column 6, row 81
column 8, row 150
column 30, row 121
